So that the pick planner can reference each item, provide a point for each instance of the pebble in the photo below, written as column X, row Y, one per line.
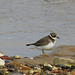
column 16, row 56
column 41, row 69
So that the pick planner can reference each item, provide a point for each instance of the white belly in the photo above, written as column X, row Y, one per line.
column 46, row 47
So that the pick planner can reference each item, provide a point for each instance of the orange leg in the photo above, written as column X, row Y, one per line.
column 44, row 54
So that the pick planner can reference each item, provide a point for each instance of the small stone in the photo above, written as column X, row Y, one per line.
column 64, row 61
column 47, row 64
column 17, row 57
column 68, row 73
column 73, row 72
column 1, row 73
column 72, row 67
column 2, row 62
column 47, row 68
column 31, row 58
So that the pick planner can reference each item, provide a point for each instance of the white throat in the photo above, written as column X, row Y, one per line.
column 52, row 37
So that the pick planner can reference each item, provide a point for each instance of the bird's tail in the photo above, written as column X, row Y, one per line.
column 29, row 44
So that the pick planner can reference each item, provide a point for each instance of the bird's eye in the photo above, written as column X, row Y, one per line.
column 54, row 36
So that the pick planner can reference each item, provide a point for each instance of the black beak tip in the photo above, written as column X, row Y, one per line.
column 58, row 37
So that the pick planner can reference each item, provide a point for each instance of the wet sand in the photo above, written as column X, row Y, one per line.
column 65, row 51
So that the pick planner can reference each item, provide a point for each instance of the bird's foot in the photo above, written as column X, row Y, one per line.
column 44, row 54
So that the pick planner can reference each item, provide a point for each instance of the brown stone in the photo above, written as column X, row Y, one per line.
column 5, row 57
column 63, row 61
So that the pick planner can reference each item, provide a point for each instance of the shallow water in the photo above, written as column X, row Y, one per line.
column 26, row 21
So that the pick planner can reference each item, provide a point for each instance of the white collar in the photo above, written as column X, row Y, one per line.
column 50, row 35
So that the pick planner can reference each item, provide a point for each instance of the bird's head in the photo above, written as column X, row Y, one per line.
column 54, row 36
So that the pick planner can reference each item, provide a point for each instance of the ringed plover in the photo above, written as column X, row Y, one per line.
column 45, row 43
